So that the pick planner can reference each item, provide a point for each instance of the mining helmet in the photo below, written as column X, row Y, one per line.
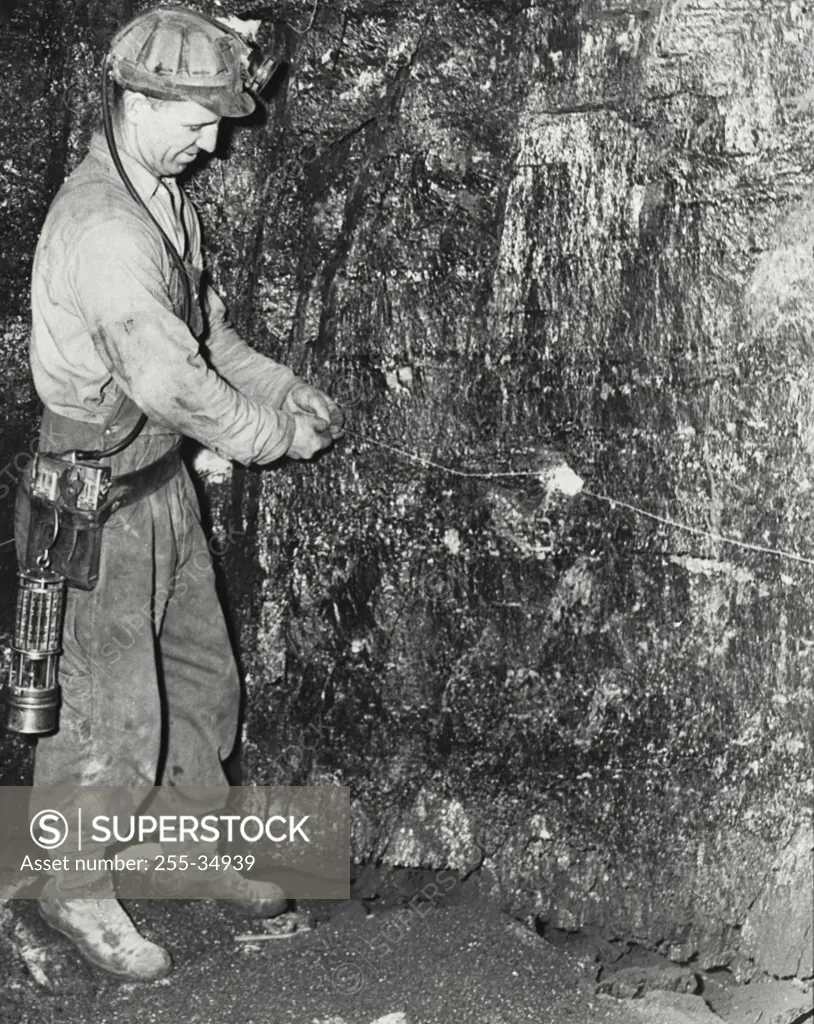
column 172, row 53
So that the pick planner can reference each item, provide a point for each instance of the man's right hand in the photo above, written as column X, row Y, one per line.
column 310, row 436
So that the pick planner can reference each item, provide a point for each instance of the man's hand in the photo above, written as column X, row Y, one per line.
column 310, row 436
column 305, row 398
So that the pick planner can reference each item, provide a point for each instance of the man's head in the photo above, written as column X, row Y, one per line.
column 165, row 136
column 177, row 74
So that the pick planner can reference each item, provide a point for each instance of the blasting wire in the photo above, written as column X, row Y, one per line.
column 696, row 530
column 437, row 465
column 759, row 548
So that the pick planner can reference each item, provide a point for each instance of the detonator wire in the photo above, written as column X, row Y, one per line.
column 635, row 509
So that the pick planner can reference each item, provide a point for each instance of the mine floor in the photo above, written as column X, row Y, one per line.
column 348, row 963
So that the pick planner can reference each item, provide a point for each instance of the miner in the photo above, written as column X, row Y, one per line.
column 130, row 344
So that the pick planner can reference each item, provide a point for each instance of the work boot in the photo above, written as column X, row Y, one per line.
column 105, row 935
column 254, row 897
column 240, row 894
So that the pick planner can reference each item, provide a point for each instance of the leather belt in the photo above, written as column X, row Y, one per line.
column 140, row 483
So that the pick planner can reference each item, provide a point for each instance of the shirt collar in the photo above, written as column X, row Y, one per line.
column 145, row 183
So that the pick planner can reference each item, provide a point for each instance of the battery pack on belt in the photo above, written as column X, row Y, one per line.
column 68, row 502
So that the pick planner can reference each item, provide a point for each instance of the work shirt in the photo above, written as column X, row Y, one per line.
column 107, row 305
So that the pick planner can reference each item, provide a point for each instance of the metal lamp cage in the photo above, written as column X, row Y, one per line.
column 33, row 697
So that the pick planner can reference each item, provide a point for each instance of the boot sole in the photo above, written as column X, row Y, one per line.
column 97, row 961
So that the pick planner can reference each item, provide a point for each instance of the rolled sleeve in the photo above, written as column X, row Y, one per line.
column 119, row 287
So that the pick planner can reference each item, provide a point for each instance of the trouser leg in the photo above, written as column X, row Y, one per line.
column 110, row 716
column 146, row 650
column 200, row 678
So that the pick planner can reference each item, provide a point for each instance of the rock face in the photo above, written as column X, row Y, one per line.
column 778, row 934
column 492, row 231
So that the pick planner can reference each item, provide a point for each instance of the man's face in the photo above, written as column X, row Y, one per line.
column 169, row 134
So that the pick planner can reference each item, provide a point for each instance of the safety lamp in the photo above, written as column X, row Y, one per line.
column 33, row 697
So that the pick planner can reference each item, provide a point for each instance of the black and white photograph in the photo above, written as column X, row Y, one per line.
column 407, row 512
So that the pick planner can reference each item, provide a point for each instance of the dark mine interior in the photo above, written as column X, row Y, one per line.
column 538, row 608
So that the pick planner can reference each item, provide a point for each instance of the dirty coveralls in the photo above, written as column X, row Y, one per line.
column 108, row 341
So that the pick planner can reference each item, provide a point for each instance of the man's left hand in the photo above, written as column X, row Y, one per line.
column 305, row 398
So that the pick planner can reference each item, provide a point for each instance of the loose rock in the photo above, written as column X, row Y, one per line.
column 674, row 1008
column 772, row 1002
column 631, row 982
